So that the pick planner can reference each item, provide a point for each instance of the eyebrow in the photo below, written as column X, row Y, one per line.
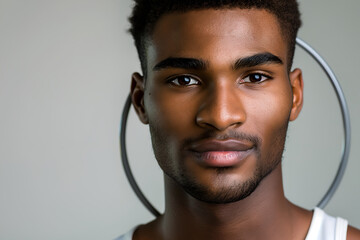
column 257, row 59
column 200, row 64
column 184, row 63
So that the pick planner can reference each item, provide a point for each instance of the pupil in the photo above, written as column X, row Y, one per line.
column 255, row 78
column 184, row 80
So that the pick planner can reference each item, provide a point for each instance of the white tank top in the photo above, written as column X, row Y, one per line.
column 325, row 227
column 322, row 227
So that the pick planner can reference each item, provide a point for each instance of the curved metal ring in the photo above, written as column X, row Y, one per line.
column 345, row 117
column 345, row 152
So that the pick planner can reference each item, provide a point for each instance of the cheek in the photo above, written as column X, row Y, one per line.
column 171, row 121
column 271, row 113
column 171, row 113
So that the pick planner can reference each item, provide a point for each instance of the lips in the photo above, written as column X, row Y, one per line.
column 224, row 153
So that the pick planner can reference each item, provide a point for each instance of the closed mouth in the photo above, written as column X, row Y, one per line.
column 224, row 153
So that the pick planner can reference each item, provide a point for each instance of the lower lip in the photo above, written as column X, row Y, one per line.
column 222, row 158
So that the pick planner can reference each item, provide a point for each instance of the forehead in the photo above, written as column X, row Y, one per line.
column 216, row 35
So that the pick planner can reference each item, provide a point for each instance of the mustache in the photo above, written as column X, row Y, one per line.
column 235, row 135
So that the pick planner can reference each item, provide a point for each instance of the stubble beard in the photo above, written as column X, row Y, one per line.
column 229, row 192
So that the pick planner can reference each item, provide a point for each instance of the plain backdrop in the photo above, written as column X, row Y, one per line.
column 65, row 68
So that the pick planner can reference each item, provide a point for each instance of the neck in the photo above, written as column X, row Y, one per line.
column 262, row 215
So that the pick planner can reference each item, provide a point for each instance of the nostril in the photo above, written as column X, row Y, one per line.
column 220, row 120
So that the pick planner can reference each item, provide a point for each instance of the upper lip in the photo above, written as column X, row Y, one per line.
column 209, row 145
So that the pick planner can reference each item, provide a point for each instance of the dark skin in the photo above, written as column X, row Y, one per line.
column 218, row 97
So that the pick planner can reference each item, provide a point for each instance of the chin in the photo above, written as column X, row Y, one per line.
column 221, row 192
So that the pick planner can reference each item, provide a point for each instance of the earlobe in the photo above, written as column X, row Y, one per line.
column 137, row 96
column 297, row 86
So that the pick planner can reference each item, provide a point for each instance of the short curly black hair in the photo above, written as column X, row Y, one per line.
column 147, row 12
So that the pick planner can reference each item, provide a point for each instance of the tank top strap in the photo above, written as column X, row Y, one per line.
column 341, row 228
column 325, row 227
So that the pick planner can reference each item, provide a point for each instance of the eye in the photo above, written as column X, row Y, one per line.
column 184, row 81
column 255, row 78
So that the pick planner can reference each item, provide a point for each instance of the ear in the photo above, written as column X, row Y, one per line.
column 297, row 86
column 137, row 96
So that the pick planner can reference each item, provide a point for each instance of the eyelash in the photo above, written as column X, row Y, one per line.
column 194, row 81
column 262, row 75
column 188, row 77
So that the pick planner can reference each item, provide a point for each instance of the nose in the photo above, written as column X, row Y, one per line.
column 222, row 108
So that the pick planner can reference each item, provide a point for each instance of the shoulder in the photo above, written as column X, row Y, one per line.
column 127, row 236
column 143, row 232
column 353, row 233
column 148, row 231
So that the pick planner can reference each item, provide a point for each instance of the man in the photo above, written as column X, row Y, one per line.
column 218, row 92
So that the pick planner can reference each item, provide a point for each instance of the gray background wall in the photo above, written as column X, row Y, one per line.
column 65, row 67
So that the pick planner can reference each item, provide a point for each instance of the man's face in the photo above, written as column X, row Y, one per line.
column 218, row 99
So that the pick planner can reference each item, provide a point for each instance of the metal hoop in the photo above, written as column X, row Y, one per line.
column 345, row 152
